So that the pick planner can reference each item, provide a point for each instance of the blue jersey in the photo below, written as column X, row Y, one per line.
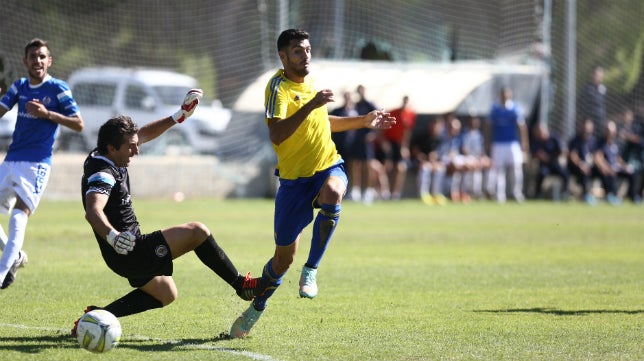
column 473, row 143
column 33, row 138
column 504, row 121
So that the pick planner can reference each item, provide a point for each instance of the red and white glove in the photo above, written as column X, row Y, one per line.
column 189, row 104
column 122, row 242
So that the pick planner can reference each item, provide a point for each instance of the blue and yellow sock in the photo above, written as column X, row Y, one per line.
column 275, row 281
column 323, row 228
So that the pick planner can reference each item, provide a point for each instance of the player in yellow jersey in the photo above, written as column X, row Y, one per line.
column 309, row 168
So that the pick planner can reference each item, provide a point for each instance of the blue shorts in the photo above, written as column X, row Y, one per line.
column 296, row 200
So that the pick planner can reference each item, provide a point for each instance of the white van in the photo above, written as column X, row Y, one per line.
column 144, row 95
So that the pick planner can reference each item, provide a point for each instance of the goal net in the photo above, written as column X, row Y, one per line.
column 451, row 55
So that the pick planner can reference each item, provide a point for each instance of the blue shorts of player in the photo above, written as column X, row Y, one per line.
column 151, row 257
column 296, row 200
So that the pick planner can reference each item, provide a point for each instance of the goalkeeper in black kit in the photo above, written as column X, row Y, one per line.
column 145, row 260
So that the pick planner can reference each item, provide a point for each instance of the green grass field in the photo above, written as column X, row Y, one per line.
column 401, row 281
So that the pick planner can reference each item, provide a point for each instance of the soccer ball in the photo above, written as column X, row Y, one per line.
column 98, row 331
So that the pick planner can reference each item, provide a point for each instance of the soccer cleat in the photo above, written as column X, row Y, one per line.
column 613, row 200
column 440, row 199
column 242, row 325
column 308, row 285
column 589, row 199
column 20, row 262
column 89, row 308
column 427, row 199
column 252, row 287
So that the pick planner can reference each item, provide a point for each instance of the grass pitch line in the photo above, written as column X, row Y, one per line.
column 181, row 344
column 24, row 327
column 251, row 355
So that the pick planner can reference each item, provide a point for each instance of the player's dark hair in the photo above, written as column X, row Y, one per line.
column 115, row 132
column 285, row 38
column 36, row 43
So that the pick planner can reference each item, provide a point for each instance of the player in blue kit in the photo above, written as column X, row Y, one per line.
column 44, row 103
column 509, row 142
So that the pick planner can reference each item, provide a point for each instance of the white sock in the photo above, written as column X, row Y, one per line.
column 3, row 239
column 17, row 228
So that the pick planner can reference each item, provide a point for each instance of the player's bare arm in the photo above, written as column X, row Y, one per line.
column 122, row 242
column 37, row 109
column 95, row 203
column 3, row 110
column 376, row 119
column 280, row 129
column 523, row 129
column 155, row 128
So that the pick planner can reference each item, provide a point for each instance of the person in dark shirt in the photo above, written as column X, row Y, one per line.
column 580, row 158
column 610, row 166
column 592, row 101
column 547, row 150
column 145, row 260
column 630, row 138
column 426, row 147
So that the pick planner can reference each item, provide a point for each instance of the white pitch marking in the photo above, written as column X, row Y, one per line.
column 251, row 355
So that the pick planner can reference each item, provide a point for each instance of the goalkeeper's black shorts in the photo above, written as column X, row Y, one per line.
column 151, row 257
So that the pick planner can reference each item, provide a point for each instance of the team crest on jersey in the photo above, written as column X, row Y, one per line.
column 161, row 251
column 46, row 100
column 297, row 97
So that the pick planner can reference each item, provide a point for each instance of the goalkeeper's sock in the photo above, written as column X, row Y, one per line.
column 134, row 302
column 323, row 228
column 275, row 281
column 216, row 259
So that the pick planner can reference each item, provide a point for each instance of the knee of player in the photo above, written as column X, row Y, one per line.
column 167, row 294
column 201, row 230
column 169, row 297
column 332, row 193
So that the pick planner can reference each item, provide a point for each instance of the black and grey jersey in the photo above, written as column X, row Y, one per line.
column 102, row 176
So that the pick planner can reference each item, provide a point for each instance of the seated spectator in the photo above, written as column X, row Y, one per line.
column 425, row 148
column 395, row 146
column 630, row 137
column 473, row 149
column 610, row 166
column 457, row 165
column 580, row 158
column 547, row 150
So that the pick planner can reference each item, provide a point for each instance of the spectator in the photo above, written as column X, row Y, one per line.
column 507, row 146
column 630, row 133
column 342, row 139
column 610, row 166
column 395, row 146
column 366, row 171
column 474, row 149
column 592, row 101
column 455, row 163
column 580, row 158
column 547, row 149
column 425, row 148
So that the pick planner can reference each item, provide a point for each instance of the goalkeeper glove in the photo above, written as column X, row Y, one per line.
column 122, row 242
column 188, row 106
